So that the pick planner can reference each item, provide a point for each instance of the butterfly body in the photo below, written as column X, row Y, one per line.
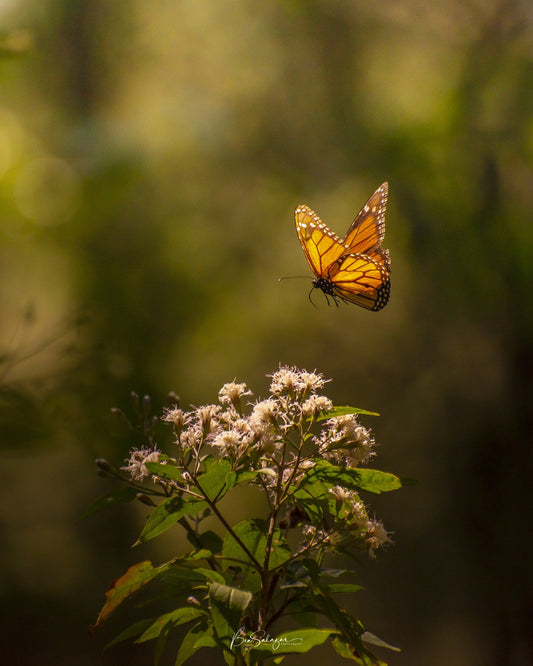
column 324, row 284
column 354, row 269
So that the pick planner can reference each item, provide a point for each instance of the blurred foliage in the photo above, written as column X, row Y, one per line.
column 151, row 155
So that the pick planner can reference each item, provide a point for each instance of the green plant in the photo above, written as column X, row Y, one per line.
column 237, row 585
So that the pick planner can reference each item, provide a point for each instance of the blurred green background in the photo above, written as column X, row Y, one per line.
column 151, row 156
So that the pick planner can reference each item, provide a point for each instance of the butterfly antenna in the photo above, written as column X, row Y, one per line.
column 305, row 277
column 310, row 299
column 293, row 277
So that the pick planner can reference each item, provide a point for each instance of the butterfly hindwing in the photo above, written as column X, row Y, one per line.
column 360, row 279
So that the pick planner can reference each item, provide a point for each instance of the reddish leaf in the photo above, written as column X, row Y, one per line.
column 134, row 578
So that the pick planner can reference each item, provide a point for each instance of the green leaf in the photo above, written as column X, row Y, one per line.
column 369, row 638
column 167, row 514
column 348, row 651
column 333, row 573
column 197, row 637
column 180, row 575
column 166, row 471
column 253, row 534
column 230, row 481
column 232, row 598
column 248, row 475
column 228, row 606
column 343, row 411
column 134, row 630
column 174, row 618
column 350, row 627
column 343, row 648
column 208, row 540
column 304, row 615
column 313, row 498
column 229, row 658
column 371, row 480
column 312, row 567
column 213, row 482
column 208, row 638
column 202, row 554
column 290, row 642
column 210, row 575
column 343, row 587
column 161, row 642
column 374, row 480
column 120, row 495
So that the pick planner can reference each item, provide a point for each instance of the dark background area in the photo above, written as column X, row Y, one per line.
column 151, row 157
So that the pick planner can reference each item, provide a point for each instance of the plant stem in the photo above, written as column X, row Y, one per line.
column 214, row 509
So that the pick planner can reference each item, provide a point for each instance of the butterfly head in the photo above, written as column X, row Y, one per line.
column 327, row 287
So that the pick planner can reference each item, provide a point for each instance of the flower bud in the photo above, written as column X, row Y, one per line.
column 173, row 399
column 145, row 499
column 104, row 465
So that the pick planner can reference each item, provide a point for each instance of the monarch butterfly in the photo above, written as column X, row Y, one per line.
column 354, row 269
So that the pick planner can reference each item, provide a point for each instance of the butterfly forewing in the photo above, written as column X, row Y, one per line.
column 367, row 231
column 321, row 246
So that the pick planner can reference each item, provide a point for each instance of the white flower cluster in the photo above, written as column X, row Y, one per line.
column 282, row 437
column 345, row 441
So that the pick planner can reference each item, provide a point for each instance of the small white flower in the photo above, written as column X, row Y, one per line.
column 264, row 414
column 231, row 394
column 207, row 418
column 228, row 442
column 234, row 442
column 284, row 380
column 309, row 532
column 291, row 381
column 190, row 438
column 346, row 441
column 340, row 494
column 177, row 417
column 358, row 514
column 310, row 382
column 137, row 460
column 316, row 404
column 186, row 476
column 376, row 536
